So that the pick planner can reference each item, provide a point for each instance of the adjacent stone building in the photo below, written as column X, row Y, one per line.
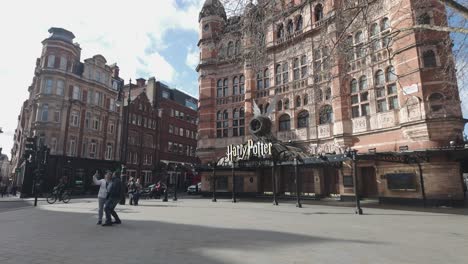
column 331, row 83
column 71, row 109
column 162, row 133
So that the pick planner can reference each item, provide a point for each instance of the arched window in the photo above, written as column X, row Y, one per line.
column 429, row 58
column 436, row 102
column 241, row 112
column 241, row 122
column 235, row 86
column 325, row 114
column 286, row 104
column 385, row 24
column 45, row 113
column 318, row 12
column 306, row 99
column 284, row 123
column 298, row 101
column 328, row 94
column 266, row 76
column 296, row 75
column 358, row 38
column 354, row 86
column 374, row 30
column 219, row 89
column 424, row 19
column 222, row 51
column 279, row 105
column 303, row 119
column 235, row 113
column 379, row 78
column 280, row 31
column 221, row 124
column 237, row 48
column 304, row 66
column 225, row 87
column 230, row 50
column 290, row 27
column 241, row 84
column 391, row 76
column 299, row 23
column 363, row 83
column 259, row 80
column 278, row 74
column 318, row 95
column 285, row 72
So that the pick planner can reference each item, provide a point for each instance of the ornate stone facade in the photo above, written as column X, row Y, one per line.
column 387, row 90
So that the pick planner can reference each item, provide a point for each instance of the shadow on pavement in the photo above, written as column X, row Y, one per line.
column 74, row 238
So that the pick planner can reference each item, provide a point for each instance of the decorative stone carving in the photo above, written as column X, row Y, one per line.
column 316, row 149
column 360, row 124
column 387, row 119
column 324, row 131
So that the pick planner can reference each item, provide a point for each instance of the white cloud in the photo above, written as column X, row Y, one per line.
column 122, row 32
column 192, row 57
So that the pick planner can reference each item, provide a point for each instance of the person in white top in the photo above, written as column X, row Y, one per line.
column 102, row 194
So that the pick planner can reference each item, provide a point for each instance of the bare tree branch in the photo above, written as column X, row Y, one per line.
column 436, row 28
column 459, row 7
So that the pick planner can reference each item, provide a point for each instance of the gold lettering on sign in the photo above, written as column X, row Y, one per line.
column 251, row 148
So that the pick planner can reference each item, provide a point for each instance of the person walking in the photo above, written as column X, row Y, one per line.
column 2, row 188
column 131, row 190
column 102, row 194
column 136, row 192
column 114, row 190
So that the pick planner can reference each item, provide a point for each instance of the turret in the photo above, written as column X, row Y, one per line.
column 212, row 20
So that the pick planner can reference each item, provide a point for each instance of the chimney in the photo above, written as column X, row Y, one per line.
column 115, row 70
column 141, row 82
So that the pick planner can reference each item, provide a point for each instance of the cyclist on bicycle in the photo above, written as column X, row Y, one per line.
column 60, row 189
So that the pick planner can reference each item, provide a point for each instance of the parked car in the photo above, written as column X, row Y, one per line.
column 153, row 191
column 192, row 189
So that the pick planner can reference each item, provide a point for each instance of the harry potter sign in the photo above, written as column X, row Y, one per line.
column 250, row 149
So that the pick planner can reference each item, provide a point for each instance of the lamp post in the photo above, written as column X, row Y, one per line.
column 123, row 157
column 234, row 200
column 298, row 198
column 176, row 180
column 356, row 182
column 213, row 179
column 167, row 188
column 273, row 182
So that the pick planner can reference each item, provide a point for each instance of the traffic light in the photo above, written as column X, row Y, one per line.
column 30, row 149
column 43, row 155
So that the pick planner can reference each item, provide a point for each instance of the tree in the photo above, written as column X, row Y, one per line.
column 337, row 42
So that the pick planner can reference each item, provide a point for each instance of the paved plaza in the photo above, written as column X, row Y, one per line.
column 199, row 231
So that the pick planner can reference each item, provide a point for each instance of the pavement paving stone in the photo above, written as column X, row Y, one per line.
column 198, row 231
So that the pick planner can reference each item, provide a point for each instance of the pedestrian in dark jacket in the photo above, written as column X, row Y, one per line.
column 114, row 190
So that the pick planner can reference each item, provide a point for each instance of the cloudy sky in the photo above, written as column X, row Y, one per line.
column 145, row 37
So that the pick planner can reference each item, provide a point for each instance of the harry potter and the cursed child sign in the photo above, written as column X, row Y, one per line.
column 251, row 149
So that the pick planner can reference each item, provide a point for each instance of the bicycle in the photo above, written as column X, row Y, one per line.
column 65, row 197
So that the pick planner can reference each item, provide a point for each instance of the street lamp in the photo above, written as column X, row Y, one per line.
column 273, row 182
column 213, row 179
column 177, row 168
column 167, row 188
column 119, row 102
column 298, row 198
column 234, row 200
column 352, row 153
